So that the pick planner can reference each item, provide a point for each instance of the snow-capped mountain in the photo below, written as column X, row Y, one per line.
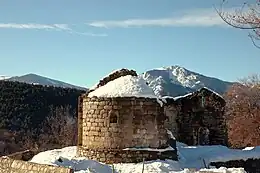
column 40, row 80
column 171, row 81
column 176, row 80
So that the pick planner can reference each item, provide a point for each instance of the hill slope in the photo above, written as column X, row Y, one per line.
column 24, row 108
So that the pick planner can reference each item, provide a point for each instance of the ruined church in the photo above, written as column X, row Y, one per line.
column 130, row 129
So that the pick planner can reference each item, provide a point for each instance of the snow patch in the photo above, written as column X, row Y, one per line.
column 160, row 102
column 194, row 156
column 170, row 134
column 125, row 86
column 183, row 76
column 190, row 157
column 179, row 97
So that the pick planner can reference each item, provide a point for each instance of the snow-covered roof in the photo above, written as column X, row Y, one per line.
column 179, row 97
column 114, row 71
column 189, row 94
column 125, row 86
column 175, row 98
column 213, row 92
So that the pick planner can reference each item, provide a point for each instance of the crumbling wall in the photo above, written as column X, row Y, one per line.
column 201, row 112
column 194, row 116
column 17, row 166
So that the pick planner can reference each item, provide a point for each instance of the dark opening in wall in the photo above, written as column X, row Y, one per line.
column 113, row 118
column 203, row 136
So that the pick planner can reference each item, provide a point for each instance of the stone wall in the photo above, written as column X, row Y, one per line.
column 80, row 120
column 109, row 125
column 118, row 123
column 250, row 165
column 110, row 156
column 18, row 166
column 171, row 112
column 23, row 155
column 196, row 113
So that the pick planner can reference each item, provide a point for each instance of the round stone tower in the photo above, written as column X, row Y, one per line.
column 122, row 129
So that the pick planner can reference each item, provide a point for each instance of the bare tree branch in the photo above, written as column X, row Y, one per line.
column 247, row 17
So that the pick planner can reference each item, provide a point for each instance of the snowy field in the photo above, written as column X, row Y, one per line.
column 189, row 157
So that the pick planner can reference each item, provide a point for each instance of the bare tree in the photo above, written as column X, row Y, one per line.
column 251, row 81
column 246, row 17
column 59, row 129
column 243, row 113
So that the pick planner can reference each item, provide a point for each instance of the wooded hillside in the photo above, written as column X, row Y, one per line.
column 24, row 109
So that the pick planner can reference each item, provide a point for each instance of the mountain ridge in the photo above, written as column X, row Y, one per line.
column 172, row 80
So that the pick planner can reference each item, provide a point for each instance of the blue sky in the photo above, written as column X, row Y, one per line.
column 81, row 41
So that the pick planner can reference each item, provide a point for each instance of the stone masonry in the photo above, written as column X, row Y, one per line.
column 109, row 125
column 198, row 118
column 18, row 166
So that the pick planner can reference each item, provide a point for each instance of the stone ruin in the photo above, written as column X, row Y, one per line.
column 111, row 129
column 197, row 118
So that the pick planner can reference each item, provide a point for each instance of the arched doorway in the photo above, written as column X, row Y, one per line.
column 201, row 136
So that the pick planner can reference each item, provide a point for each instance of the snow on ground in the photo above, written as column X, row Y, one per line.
column 125, row 86
column 189, row 157
column 193, row 156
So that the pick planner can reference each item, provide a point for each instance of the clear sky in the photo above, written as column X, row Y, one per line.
column 80, row 41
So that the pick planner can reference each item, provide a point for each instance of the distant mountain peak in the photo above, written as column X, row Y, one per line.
column 36, row 79
column 177, row 80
